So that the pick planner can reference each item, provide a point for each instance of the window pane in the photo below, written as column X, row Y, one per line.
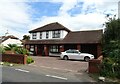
column 56, row 34
column 40, row 35
column 54, row 48
column 34, row 35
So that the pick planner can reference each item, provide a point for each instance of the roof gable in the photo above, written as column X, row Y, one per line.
column 51, row 26
column 4, row 38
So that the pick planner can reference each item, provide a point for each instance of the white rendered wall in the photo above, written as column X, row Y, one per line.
column 12, row 41
column 63, row 33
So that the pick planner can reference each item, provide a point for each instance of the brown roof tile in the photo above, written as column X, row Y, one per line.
column 3, row 38
column 93, row 36
column 51, row 26
column 79, row 37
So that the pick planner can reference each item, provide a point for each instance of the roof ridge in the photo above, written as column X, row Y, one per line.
column 50, row 26
column 86, row 31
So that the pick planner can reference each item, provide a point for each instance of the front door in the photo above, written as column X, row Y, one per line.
column 40, row 51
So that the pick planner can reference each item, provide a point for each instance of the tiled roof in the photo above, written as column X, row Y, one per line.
column 79, row 37
column 93, row 36
column 3, row 38
column 51, row 26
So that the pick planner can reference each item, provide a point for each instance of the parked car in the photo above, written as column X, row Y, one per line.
column 75, row 54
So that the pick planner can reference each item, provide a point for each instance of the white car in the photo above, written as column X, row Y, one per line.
column 75, row 54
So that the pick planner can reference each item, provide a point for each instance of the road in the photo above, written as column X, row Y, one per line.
column 15, row 74
column 19, row 75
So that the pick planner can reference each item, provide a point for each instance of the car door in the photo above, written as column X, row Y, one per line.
column 69, row 54
column 76, row 55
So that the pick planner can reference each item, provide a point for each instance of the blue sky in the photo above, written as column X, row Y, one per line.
column 20, row 16
column 44, row 9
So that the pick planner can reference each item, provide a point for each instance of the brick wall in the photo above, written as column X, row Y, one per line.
column 94, row 66
column 14, row 58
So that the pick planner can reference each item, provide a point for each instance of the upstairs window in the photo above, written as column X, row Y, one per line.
column 47, row 34
column 34, row 35
column 56, row 34
column 40, row 35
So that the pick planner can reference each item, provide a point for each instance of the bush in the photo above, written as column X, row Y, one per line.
column 29, row 60
column 22, row 51
column 2, row 50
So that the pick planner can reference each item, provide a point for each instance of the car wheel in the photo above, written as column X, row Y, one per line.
column 65, row 57
column 86, row 59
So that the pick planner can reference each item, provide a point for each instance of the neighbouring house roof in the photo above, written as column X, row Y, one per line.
column 4, row 38
column 93, row 36
column 42, row 42
column 79, row 37
column 51, row 26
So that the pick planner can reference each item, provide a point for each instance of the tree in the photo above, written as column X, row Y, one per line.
column 112, row 29
column 26, row 37
column 111, row 48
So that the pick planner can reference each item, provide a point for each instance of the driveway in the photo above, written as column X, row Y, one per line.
column 58, row 64
column 73, row 71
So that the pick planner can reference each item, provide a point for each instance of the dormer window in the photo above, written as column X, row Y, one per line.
column 56, row 34
column 47, row 34
column 34, row 35
column 40, row 35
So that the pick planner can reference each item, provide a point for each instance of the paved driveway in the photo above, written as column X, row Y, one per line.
column 58, row 64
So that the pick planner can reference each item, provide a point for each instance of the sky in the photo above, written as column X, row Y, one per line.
column 18, row 17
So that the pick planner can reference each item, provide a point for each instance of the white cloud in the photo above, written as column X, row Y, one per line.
column 14, row 17
column 80, row 21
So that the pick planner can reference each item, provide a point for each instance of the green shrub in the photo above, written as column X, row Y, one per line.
column 29, row 60
column 11, row 47
column 2, row 50
column 22, row 51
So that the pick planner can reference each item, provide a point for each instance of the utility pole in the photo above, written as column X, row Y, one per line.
column 119, row 9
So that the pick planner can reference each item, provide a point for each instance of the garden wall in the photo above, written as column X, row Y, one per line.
column 14, row 58
column 94, row 66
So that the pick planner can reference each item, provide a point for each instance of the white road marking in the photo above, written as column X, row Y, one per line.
column 57, row 77
column 22, row 70
column 45, row 67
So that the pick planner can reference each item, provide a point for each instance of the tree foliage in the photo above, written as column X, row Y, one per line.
column 26, row 37
column 111, row 48
column 16, row 49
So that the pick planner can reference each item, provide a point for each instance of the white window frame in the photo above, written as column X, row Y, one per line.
column 34, row 35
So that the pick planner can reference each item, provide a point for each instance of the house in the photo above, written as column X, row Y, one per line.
column 53, row 38
column 10, row 39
